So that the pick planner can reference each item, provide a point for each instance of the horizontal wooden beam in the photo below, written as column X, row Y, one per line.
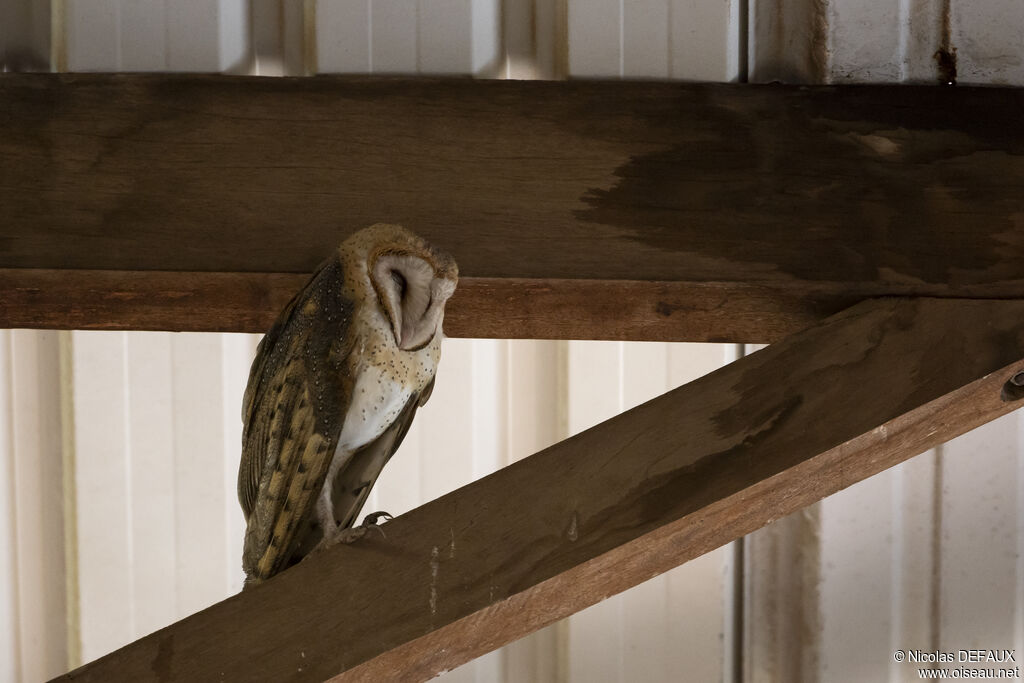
column 613, row 506
column 481, row 307
column 616, row 210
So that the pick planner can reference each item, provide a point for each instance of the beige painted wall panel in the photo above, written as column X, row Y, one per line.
column 149, row 425
column 857, row 623
column 486, row 29
column 595, row 38
column 877, row 572
column 156, row 35
column 343, row 36
column 987, row 35
column 10, row 628
column 979, row 572
column 408, row 36
column 646, row 26
column 446, row 37
column 706, row 43
column 92, row 35
column 40, row 511
column 395, row 37
column 103, row 491
column 864, row 40
column 157, row 440
column 205, row 35
column 203, row 489
column 677, row 39
column 914, row 554
column 143, row 42
column 33, row 633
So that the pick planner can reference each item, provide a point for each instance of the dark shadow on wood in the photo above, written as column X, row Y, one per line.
column 744, row 212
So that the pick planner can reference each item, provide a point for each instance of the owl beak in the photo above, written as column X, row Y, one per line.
column 396, row 326
column 410, row 341
column 408, row 333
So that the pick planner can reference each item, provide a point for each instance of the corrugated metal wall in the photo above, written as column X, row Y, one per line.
column 119, row 450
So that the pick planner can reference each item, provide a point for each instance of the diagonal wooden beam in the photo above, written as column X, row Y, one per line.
column 605, row 210
column 612, row 506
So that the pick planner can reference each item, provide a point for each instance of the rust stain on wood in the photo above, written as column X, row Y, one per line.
column 945, row 56
column 945, row 59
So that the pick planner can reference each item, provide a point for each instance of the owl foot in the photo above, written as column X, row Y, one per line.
column 353, row 534
column 370, row 522
column 350, row 535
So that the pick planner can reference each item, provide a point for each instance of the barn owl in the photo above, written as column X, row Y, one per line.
column 333, row 389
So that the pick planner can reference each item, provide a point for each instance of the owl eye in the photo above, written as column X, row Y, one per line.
column 400, row 282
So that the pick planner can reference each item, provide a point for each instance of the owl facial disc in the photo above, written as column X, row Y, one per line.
column 413, row 297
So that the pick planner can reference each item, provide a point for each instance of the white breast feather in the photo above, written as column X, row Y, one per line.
column 377, row 399
column 376, row 402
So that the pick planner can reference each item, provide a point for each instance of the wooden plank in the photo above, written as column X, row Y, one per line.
column 511, row 308
column 747, row 190
column 612, row 506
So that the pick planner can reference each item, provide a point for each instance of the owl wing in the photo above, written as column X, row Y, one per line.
column 353, row 483
column 298, row 394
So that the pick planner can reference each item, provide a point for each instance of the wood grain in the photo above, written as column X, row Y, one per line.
column 504, row 308
column 759, row 207
column 611, row 507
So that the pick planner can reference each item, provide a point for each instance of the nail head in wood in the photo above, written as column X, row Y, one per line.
column 1013, row 390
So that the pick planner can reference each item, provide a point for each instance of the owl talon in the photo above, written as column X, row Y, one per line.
column 371, row 519
column 370, row 522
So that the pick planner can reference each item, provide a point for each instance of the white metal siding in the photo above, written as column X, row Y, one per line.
column 408, row 36
column 875, row 41
column 33, row 632
column 157, row 430
column 680, row 39
column 156, row 35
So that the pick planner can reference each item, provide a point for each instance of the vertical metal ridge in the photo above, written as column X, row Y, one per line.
column 73, row 615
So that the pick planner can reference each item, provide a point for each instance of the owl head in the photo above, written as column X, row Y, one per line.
column 413, row 280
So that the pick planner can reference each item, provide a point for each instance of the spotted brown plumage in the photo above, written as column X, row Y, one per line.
column 333, row 389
